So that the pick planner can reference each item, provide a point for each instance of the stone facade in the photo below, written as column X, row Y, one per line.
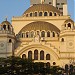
column 44, row 35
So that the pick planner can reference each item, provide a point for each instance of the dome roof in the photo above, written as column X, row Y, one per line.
column 69, row 20
column 43, row 8
column 40, row 25
column 6, row 23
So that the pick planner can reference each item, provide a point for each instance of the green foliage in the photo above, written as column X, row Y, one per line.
column 19, row 66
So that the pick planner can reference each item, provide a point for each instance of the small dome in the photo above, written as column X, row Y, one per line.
column 43, row 8
column 40, row 25
column 6, row 23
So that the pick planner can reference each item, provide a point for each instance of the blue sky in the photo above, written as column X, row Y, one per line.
column 17, row 7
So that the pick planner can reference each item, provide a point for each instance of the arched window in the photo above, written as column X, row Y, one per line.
column 50, row 14
column 35, row 14
column 26, row 34
column 40, row 13
column 24, row 56
column 4, row 26
column 41, row 55
column 22, row 35
column 36, row 55
column 69, row 25
column 30, row 55
column 62, row 40
column 47, row 64
column 48, row 57
column 48, row 34
column 53, row 34
column 43, row 34
column 57, row 34
column 32, row 34
column 55, row 14
column 26, row 15
column 30, row 14
column 8, row 27
column 10, row 40
column 45, row 14
column 37, row 32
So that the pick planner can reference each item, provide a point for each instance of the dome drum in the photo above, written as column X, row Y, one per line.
column 42, row 10
column 44, row 29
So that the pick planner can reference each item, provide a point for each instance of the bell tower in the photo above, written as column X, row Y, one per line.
column 7, row 39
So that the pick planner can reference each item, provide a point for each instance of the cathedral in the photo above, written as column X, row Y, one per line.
column 42, row 33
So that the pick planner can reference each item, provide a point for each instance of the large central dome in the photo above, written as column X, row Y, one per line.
column 43, row 8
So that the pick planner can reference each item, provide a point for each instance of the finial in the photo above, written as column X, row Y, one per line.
column 6, row 18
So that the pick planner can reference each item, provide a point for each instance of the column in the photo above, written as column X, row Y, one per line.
column 54, row 3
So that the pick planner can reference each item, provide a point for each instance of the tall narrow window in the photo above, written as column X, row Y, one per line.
column 8, row 27
column 45, row 14
column 48, row 57
column 55, row 14
column 41, row 55
column 24, row 56
column 36, row 55
column 47, row 64
column 10, row 40
column 40, row 13
column 30, row 55
column 35, row 14
column 62, row 40
column 32, row 34
column 50, row 14
column 43, row 34
column 27, row 34
column 30, row 14
column 53, row 34
column 48, row 34
column 4, row 26
column 69, row 25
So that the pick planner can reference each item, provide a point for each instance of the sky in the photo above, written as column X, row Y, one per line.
column 12, row 8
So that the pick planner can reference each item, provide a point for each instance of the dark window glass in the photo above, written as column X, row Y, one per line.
column 35, row 14
column 26, row 34
column 42, row 34
column 48, row 57
column 40, row 13
column 24, row 56
column 53, row 34
column 10, row 40
column 62, row 40
column 50, row 14
column 45, row 14
column 36, row 55
column 30, row 14
column 69, row 25
column 48, row 34
column 4, row 26
column 30, row 55
column 41, row 55
column 47, row 65
column 54, row 14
